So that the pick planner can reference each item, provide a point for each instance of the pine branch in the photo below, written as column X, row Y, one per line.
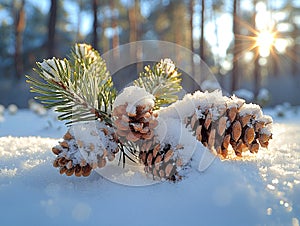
column 81, row 88
column 127, row 152
column 162, row 81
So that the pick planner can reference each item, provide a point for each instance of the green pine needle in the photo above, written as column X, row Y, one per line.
column 162, row 81
column 80, row 88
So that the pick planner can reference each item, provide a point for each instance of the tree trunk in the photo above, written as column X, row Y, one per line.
column 115, row 37
column 295, row 57
column 138, row 20
column 234, row 79
column 95, row 24
column 52, row 28
column 274, row 59
column 132, row 17
column 78, row 33
column 132, row 30
column 104, row 41
column 191, row 23
column 139, row 51
column 257, row 76
column 19, row 28
column 202, row 31
column 192, row 38
column 134, row 34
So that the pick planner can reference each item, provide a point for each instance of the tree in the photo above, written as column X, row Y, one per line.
column 133, row 26
column 256, row 72
column 169, row 22
column 202, row 30
column 19, row 23
column 295, row 56
column 134, row 18
column 95, row 24
column 52, row 28
column 191, row 8
column 80, row 9
column 217, row 9
column 234, row 79
column 114, row 25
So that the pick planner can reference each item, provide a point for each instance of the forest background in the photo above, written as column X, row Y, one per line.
column 252, row 47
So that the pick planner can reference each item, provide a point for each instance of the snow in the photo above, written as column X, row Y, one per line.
column 27, row 123
column 86, row 51
column 267, row 119
column 245, row 94
column 259, row 191
column 52, row 67
column 134, row 96
column 89, row 142
column 190, row 102
column 37, row 107
column 263, row 95
column 215, row 103
column 2, row 108
column 12, row 109
column 172, row 131
column 248, row 109
column 168, row 66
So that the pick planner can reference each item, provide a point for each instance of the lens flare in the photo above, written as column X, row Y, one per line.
column 265, row 41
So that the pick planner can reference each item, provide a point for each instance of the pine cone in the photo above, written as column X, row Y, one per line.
column 134, row 125
column 161, row 162
column 77, row 156
column 243, row 126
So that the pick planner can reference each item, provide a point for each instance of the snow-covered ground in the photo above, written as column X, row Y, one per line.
column 261, row 191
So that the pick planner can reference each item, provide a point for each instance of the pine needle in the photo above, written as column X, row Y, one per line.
column 162, row 81
column 80, row 88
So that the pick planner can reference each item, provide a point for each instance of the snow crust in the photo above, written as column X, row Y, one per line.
column 89, row 142
column 260, row 191
column 216, row 104
column 200, row 101
column 172, row 131
column 134, row 96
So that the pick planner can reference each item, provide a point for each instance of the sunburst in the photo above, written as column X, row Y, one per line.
column 265, row 42
column 261, row 42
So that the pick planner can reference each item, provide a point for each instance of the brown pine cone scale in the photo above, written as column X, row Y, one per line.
column 241, row 127
column 161, row 163
column 74, row 155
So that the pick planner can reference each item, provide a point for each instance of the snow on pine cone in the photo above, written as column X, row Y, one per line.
column 230, row 123
column 134, row 126
column 136, row 122
column 162, row 162
column 85, row 146
column 133, row 117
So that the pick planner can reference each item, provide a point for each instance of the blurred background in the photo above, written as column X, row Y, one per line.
column 251, row 46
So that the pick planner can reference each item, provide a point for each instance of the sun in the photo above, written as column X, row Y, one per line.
column 260, row 41
column 265, row 41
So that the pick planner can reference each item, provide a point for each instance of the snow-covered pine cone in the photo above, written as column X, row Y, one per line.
column 85, row 147
column 133, row 117
column 233, row 122
column 250, row 130
column 136, row 122
column 161, row 162
column 134, row 125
